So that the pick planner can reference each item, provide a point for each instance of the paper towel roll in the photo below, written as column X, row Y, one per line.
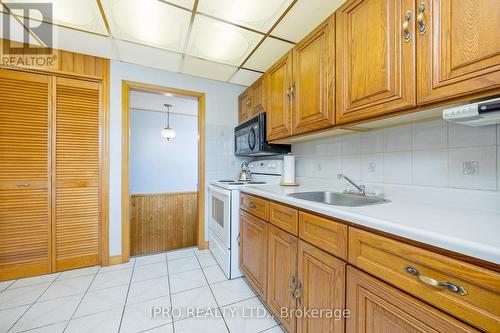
column 289, row 169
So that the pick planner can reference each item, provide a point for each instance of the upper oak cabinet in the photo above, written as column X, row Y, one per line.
column 252, row 101
column 458, row 47
column 375, row 58
column 312, row 88
column 279, row 110
column 245, row 106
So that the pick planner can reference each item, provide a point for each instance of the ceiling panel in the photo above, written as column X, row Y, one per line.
column 304, row 16
column 207, row 69
column 150, row 22
column 267, row 54
column 245, row 77
column 16, row 32
column 156, row 102
column 188, row 4
column 81, row 14
column 221, row 42
column 256, row 14
column 148, row 56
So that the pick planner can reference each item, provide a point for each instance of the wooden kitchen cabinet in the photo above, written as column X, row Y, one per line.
column 279, row 105
column 321, row 285
column 375, row 64
column 282, row 275
column 258, row 97
column 253, row 251
column 459, row 50
column 313, row 85
column 245, row 106
column 378, row 307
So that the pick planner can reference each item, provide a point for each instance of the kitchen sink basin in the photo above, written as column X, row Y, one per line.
column 339, row 199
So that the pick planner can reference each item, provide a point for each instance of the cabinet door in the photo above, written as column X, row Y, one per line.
column 77, row 173
column 459, row 51
column 24, row 175
column 278, row 115
column 377, row 307
column 282, row 276
column 253, row 251
column 245, row 106
column 258, row 97
column 375, row 65
column 312, row 87
column 321, row 286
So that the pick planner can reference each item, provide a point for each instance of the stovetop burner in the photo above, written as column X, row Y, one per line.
column 236, row 183
column 254, row 182
column 226, row 181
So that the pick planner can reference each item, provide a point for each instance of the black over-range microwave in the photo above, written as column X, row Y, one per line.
column 250, row 139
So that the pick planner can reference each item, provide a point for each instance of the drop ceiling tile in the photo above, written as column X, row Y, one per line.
column 81, row 14
column 267, row 54
column 221, row 42
column 207, row 69
column 245, row 77
column 149, row 22
column 148, row 56
column 304, row 16
column 256, row 14
column 16, row 30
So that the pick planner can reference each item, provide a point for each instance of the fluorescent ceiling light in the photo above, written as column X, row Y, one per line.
column 256, row 14
column 81, row 14
column 149, row 22
column 221, row 42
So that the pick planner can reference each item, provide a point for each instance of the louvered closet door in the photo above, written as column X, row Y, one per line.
column 24, row 175
column 77, row 173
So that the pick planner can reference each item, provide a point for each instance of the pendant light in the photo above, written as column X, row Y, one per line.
column 168, row 133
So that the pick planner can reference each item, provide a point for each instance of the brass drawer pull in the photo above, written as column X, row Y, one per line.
column 252, row 206
column 298, row 293
column 420, row 19
column 23, row 185
column 291, row 284
column 406, row 28
column 435, row 283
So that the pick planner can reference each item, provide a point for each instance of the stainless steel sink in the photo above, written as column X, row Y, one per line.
column 339, row 199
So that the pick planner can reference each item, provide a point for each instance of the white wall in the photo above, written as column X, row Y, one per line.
column 221, row 118
column 158, row 166
column 424, row 154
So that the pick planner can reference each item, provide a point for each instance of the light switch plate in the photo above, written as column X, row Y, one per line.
column 471, row 168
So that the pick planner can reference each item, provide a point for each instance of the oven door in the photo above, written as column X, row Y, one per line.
column 219, row 212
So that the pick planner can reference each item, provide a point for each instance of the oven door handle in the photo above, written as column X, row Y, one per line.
column 252, row 134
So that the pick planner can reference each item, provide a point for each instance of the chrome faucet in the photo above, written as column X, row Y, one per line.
column 361, row 188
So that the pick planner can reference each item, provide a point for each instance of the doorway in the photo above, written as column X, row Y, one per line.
column 160, row 211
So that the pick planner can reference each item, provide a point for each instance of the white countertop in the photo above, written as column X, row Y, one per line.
column 470, row 231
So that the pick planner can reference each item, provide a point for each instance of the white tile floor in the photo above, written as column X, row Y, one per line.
column 121, row 298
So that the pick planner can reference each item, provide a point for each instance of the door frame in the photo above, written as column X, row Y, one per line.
column 127, row 87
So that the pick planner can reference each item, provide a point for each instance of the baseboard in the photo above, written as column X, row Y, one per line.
column 115, row 260
column 203, row 246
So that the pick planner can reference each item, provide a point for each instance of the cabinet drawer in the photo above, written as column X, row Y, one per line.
column 284, row 217
column 324, row 233
column 413, row 270
column 255, row 206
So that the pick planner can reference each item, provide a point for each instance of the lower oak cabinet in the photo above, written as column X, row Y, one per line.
column 377, row 307
column 253, row 251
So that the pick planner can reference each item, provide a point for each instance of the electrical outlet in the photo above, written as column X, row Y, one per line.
column 470, row 168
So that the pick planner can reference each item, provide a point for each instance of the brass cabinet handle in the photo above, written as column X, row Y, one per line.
column 288, row 93
column 435, row 283
column 23, row 185
column 421, row 19
column 406, row 26
column 291, row 285
column 293, row 90
column 298, row 293
column 252, row 206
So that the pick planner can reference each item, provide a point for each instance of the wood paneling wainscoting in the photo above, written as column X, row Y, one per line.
column 162, row 221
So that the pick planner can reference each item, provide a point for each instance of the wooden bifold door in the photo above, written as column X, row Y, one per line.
column 49, row 173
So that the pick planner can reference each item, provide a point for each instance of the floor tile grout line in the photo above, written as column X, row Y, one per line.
column 126, row 297
column 81, row 300
column 170, row 293
column 31, row 305
column 213, row 295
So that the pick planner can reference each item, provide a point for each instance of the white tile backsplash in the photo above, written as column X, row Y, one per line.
column 430, row 167
column 397, row 138
column 469, row 136
column 430, row 135
column 485, row 179
column 425, row 154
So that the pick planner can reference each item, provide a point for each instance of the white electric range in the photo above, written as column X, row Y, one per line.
column 223, row 212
